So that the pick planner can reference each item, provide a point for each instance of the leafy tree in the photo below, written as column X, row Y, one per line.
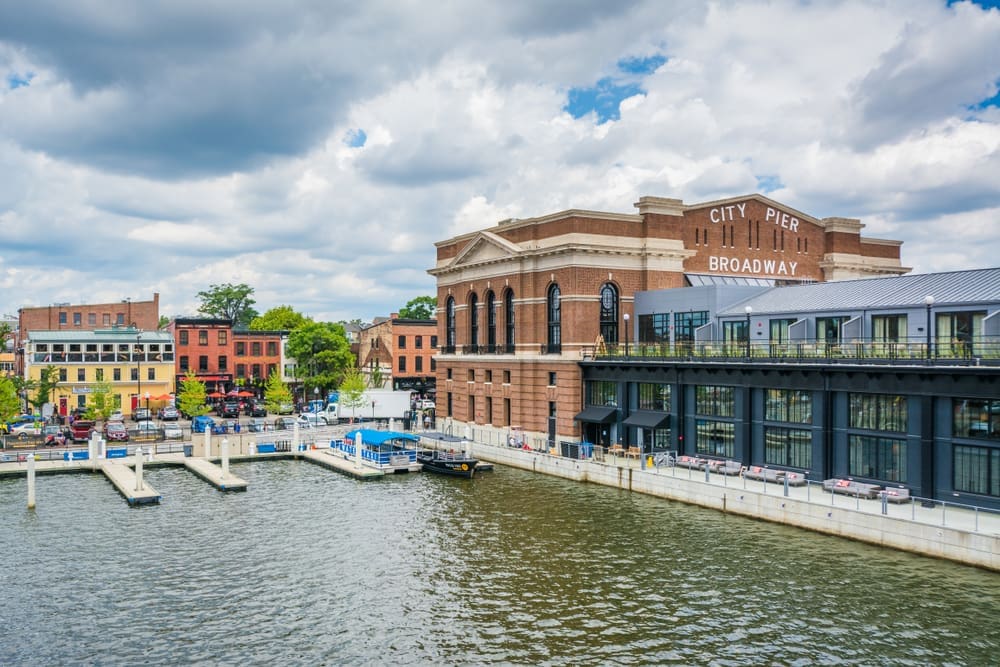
column 234, row 302
column 191, row 398
column 279, row 318
column 10, row 403
column 276, row 392
column 377, row 379
column 103, row 403
column 45, row 387
column 352, row 390
column 322, row 354
column 23, row 387
column 419, row 308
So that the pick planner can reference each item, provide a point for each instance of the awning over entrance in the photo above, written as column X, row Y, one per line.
column 647, row 419
column 596, row 414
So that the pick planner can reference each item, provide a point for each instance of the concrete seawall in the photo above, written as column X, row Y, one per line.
column 812, row 509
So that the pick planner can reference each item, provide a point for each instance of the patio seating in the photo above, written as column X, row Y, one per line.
column 849, row 487
column 616, row 450
column 896, row 494
column 690, row 462
column 633, row 452
column 765, row 474
column 724, row 467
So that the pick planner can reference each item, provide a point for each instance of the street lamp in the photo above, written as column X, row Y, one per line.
column 148, row 416
column 748, row 310
column 929, row 302
column 626, row 316
column 316, row 397
column 373, row 410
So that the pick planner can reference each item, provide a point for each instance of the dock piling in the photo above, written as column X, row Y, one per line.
column 224, row 452
column 138, row 468
column 357, row 449
column 31, row 480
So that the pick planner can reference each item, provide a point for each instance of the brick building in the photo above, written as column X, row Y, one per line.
column 403, row 349
column 142, row 315
column 519, row 302
column 222, row 357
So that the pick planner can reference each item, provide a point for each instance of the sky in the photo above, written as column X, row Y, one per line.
column 316, row 150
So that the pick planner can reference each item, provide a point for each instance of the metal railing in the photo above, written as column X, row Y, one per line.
column 981, row 351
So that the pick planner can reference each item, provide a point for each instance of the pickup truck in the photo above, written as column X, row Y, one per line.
column 81, row 430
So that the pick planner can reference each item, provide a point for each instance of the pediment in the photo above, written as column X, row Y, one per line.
column 486, row 247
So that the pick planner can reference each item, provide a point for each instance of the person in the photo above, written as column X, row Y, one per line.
column 427, row 421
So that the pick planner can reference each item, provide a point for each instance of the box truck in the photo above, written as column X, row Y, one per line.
column 374, row 404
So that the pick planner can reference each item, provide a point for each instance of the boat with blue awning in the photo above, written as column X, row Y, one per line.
column 388, row 451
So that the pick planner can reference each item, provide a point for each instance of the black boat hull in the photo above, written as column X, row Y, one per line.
column 453, row 465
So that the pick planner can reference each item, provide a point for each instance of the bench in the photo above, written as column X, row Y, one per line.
column 765, row 474
column 897, row 495
column 690, row 462
column 616, row 450
column 849, row 487
column 727, row 467
column 634, row 453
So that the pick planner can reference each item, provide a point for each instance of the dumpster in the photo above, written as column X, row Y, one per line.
column 188, row 450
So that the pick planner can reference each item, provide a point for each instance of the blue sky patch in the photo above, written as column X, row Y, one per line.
column 985, row 4
column 355, row 138
column 990, row 101
column 606, row 95
column 770, row 183
column 19, row 80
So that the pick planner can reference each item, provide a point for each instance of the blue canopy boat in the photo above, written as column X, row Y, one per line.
column 389, row 451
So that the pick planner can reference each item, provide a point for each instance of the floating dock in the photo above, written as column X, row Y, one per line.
column 125, row 480
column 332, row 460
column 214, row 474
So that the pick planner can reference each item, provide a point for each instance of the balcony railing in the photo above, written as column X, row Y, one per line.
column 981, row 351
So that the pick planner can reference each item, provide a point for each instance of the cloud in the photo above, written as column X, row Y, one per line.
column 317, row 151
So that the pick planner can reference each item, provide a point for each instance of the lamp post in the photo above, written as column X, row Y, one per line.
column 748, row 310
column 315, row 397
column 148, row 416
column 138, row 369
column 929, row 302
column 373, row 411
column 626, row 316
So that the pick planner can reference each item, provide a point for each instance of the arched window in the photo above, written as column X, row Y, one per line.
column 554, row 320
column 491, row 322
column 508, row 306
column 474, row 322
column 450, row 324
column 609, row 313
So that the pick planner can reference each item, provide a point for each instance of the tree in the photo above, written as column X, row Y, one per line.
column 352, row 390
column 164, row 321
column 276, row 392
column 191, row 398
column 322, row 354
column 103, row 401
column 10, row 404
column 279, row 318
column 49, row 381
column 229, row 301
column 420, row 308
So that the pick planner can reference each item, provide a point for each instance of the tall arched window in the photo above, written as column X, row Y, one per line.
column 450, row 324
column 474, row 322
column 609, row 313
column 491, row 322
column 554, row 320
column 508, row 306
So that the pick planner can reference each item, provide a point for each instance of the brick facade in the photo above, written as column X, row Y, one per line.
column 581, row 252
column 404, row 349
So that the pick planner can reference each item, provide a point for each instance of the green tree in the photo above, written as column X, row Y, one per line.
column 322, row 354
column 164, row 321
column 419, row 308
column 191, row 398
column 377, row 379
column 279, row 318
column 352, row 390
column 276, row 392
column 44, row 388
column 234, row 302
column 10, row 404
column 103, row 402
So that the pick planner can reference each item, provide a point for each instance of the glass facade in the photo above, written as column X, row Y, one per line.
column 877, row 458
column 976, row 470
column 878, row 412
column 973, row 418
column 602, row 392
column 714, row 401
column 654, row 396
column 788, row 405
column 715, row 438
column 788, row 446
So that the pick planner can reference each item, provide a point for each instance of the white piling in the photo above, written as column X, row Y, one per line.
column 208, row 442
column 138, row 469
column 224, row 452
column 31, row 480
column 102, row 448
column 295, row 437
column 392, row 423
column 357, row 449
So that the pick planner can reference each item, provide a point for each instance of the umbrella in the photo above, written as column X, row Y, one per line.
column 162, row 397
column 216, row 394
column 245, row 394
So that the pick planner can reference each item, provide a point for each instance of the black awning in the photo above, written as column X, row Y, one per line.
column 597, row 414
column 647, row 419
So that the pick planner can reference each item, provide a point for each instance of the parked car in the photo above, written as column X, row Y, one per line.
column 257, row 425
column 202, row 422
column 81, row 430
column 145, row 430
column 172, row 431
column 286, row 409
column 256, row 409
column 283, row 423
column 140, row 414
column 55, row 436
column 311, row 419
column 25, row 430
column 116, row 416
column 115, row 431
column 230, row 409
column 169, row 413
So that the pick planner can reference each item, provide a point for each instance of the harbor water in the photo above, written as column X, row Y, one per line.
column 309, row 567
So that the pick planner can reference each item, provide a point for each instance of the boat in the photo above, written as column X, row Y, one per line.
column 388, row 451
column 447, row 462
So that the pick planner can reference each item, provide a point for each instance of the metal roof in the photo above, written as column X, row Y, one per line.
column 100, row 335
column 950, row 288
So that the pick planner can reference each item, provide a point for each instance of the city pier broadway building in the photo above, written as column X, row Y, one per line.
column 520, row 302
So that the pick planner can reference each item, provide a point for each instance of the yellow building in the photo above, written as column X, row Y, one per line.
column 138, row 365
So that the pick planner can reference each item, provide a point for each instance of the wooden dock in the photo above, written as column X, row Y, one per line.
column 212, row 474
column 124, row 479
column 333, row 461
